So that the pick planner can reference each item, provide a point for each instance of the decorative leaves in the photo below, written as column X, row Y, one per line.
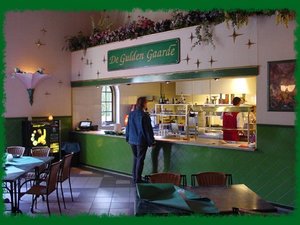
column 204, row 20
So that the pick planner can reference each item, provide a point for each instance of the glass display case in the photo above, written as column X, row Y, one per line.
column 226, row 122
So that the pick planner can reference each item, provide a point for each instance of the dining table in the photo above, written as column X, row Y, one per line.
column 15, row 170
column 209, row 200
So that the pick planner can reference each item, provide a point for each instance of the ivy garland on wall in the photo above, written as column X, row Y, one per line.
column 204, row 20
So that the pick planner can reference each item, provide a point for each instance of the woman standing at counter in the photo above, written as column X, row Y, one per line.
column 232, row 121
column 139, row 134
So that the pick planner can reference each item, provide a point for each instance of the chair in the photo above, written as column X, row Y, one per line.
column 211, row 178
column 65, row 174
column 174, row 178
column 40, row 151
column 16, row 150
column 40, row 190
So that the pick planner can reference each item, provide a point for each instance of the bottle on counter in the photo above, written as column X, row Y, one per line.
column 160, row 100
column 207, row 101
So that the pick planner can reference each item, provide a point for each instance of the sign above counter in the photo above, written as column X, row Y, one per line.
column 150, row 54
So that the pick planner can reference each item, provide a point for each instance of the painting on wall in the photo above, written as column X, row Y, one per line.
column 281, row 86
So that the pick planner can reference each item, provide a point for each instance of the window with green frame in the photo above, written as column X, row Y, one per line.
column 107, row 105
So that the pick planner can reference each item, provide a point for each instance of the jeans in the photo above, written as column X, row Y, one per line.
column 139, row 154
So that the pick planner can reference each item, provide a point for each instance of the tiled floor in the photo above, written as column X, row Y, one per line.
column 94, row 192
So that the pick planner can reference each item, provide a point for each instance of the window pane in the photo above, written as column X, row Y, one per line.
column 108, row 97
column 103, row 98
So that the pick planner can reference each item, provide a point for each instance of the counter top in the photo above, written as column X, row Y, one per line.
column 206, row 142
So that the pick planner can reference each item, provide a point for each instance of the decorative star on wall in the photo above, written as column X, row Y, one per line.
column 234, row 35
column 43, row 30
column 250, row 43
column 187, row 59
column 198, row 63
column 192, row 37
column 104, row 60
column 38, row 43
column 211, row 61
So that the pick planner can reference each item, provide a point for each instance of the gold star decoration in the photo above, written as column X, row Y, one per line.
column 211, row 61
column 198, row 63
column 192, row 37
column 43, row 30
column 38, row 43
column 187, row 59
column 234, row 35
column 250, row 43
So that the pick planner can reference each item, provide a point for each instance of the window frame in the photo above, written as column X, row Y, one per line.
column 112, row 102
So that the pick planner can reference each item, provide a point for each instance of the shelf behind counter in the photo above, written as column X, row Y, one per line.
column 200, row 141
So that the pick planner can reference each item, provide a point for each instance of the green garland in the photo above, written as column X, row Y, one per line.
column 204, row 20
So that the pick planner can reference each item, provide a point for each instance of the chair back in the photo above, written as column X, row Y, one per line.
column 66, row 167
column 173, row 178
column 53, row 176
column 16, row 150
column 211, row 178
column 40, row 152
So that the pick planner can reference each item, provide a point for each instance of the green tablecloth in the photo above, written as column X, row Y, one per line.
column 12, row 169
column 23, row 161
column 168, row 195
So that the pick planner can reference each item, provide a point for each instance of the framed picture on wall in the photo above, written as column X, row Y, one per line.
column 281, row 86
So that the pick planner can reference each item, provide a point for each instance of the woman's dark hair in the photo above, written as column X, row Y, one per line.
column 236, row 100
column 140, row 102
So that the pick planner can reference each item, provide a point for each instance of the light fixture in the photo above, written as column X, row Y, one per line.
column 30, row 80
column 50, row 117
column 216, row 79
column 167, row 82
column 287, row 88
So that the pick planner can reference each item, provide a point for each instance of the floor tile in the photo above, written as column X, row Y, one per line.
column 121, row 205
column 101, row 205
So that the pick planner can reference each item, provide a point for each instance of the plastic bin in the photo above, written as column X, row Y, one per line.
column 69, row 147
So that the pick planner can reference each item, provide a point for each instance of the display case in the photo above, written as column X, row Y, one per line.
column 171, row 120
column 226, row 122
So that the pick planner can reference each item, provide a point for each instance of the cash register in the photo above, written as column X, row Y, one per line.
column 85, row 126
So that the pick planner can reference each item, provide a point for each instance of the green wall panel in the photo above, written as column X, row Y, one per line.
column 13, row 129
column 111, row 153
column 269, row 171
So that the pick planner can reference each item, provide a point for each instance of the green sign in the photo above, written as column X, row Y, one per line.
column 151, row 54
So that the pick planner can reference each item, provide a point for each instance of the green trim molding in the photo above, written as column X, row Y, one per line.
column 270, row 171
column 13, row 128
column 206, row 74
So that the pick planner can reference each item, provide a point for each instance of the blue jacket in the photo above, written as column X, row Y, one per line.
column 139, row 130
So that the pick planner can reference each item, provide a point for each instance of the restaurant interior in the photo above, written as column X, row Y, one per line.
column 73, row 78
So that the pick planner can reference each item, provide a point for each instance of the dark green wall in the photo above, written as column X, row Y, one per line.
column 269, row 171
column 13, row 129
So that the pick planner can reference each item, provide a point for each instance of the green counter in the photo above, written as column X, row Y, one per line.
column 269, row 171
